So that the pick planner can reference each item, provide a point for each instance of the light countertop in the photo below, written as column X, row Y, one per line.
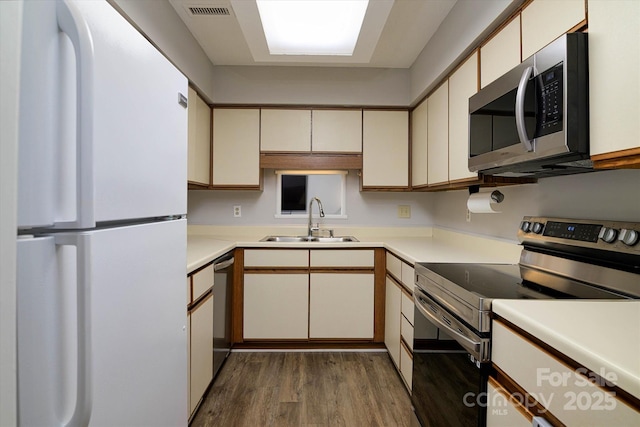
column 206, row 244
column 603, row 336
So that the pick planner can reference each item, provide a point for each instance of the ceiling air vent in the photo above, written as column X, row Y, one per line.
column 209, row 11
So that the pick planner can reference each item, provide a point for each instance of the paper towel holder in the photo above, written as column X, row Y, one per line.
column 496, row 195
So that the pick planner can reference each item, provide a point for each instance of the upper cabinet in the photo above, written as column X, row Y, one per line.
column 336, row 131
column 501, row 53
column 385, row 149
column 438, row 135
column 614, row 83
column 285, row 130
column 463, row 83
column 199, row 137
column 419, row 167
column 544, row 21
column 236, row 148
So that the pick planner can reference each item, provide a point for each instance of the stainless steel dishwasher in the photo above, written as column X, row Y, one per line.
column 222, row 285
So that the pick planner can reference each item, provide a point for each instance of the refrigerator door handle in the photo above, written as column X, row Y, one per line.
column 72, row 23
column 83, row 405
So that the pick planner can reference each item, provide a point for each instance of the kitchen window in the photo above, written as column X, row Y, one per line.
column 296, row 188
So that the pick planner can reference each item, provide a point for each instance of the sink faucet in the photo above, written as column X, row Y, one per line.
column 311, row 228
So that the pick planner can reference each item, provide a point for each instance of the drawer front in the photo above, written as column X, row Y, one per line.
column 501, row 409
column 276, row 258
column 408, row 307
column 406, row 366
column 202, row 281
column 406, row 329
column 573, row 398
column 394, row 266
column 407, row 275
column 342, row 258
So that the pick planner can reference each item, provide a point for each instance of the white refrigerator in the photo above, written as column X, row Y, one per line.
column 101, row 248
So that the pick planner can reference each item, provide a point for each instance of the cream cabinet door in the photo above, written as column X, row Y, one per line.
column 199, row 140
column 201, row 350
column 336, row 131
column 406, row 366
column 502, row 409
column 543, row 21
column 392, row 315
column 385, row 149
column 501, row 53
column 276, row 306
column 462, row 85
column 285, row 131
column 341, row 305
column 438, row 136
column 202, row 281
column 419, row 164
column 236, row 147
column 614, row 70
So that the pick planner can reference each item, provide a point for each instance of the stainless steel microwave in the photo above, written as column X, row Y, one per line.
column 534, row 120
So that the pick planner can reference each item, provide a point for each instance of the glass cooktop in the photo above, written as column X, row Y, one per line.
column 491, row 281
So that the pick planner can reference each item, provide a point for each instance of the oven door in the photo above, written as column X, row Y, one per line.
column 450, row 368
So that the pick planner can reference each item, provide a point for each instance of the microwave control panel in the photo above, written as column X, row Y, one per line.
column 550, row 102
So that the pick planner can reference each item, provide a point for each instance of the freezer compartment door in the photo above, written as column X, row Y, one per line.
column 102, row 327
column 103, row 133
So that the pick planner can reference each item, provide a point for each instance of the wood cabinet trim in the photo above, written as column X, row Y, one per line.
column 310, row 160
column 629, row 158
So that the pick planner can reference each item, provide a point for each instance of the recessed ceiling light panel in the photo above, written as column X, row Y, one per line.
column 312, row 27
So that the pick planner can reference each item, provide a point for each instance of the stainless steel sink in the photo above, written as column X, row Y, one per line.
column 294, row 239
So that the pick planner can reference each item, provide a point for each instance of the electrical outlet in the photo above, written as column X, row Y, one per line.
column 404, row 211
column 237, row 211
column 468, row 215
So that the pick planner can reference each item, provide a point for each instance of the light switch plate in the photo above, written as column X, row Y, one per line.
column 404, row 211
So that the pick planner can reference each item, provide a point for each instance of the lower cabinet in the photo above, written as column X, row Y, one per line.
column 199, row 334
column 276, row 306
column 341, row 306
column 398, row 328
column 392, row 319
column 550, row 388
column 398, row 331
column 301, row 294
column 201, row 345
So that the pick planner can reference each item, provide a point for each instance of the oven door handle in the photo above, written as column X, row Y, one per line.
column 474, row 347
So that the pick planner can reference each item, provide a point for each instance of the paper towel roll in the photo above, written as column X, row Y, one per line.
column 481, row 203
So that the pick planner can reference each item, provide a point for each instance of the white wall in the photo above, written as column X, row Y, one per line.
column 159, row 22
column 605, row 195
column 258, row 208
column 311, row 86
column 10, row 36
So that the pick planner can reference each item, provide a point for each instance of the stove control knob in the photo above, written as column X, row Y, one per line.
column 537, row 227
column 525, row 226
column 629, row 237
column 608, row 235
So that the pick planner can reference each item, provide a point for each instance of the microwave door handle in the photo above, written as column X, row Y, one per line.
column 522, row 88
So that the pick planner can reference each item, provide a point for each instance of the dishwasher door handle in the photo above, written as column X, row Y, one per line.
column 224, row 264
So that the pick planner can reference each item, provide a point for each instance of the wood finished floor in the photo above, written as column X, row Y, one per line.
column 306, row 389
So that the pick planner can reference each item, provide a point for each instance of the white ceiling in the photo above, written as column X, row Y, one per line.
column 237, row 38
